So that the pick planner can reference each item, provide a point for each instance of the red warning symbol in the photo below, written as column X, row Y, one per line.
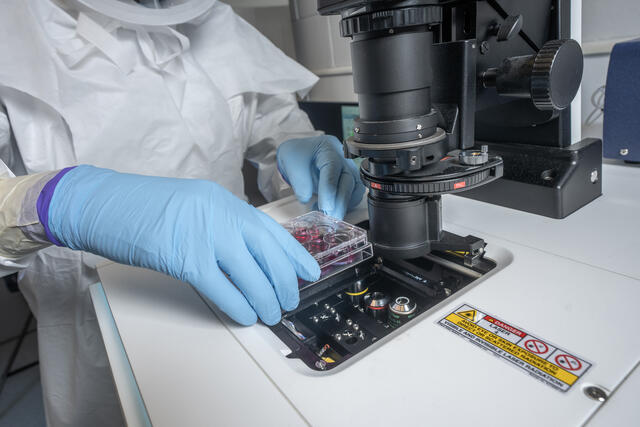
column 536, row 346
column 569, row 362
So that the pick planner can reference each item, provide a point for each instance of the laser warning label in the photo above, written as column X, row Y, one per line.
column 535, row 356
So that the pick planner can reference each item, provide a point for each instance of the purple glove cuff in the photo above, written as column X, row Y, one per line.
column 44, row 200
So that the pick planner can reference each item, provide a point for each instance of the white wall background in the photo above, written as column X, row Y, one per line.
column 273, row 21
column 604, row 23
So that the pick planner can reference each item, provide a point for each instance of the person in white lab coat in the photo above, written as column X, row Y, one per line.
column 173, row 95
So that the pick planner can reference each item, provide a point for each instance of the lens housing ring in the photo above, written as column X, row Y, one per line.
column 460, row 178
column 392, row 19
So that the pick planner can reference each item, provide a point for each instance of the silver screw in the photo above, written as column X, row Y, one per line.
column 419, row 135
column 321, row 364
column 315, row 319
column 595, row 393
column 327, row 306
column 594, row 176
column 332, row 310
column 355, row 326
column 413, row 160
column 356, row 130
column 349, row 322
column 624, row 151
column 447, row 291
column 337, row 337
column 419, row 127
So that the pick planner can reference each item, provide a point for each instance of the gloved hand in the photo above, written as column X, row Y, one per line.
column 317, row 165
column 190, row 229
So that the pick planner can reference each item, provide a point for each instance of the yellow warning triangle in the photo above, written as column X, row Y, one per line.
column 469, row 314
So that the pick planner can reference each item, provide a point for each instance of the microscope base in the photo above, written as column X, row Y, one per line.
column 549, row 181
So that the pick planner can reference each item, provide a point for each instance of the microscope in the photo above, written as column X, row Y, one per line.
column 462, row 97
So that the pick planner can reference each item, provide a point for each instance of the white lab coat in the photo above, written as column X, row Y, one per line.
column 193, row 101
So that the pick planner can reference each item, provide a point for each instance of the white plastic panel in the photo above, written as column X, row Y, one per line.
column 562, row 284
column 621, row 408
column 427, row 373
column 605, row 233
column 189, row 369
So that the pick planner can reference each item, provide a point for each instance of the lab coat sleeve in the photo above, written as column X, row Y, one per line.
column 21, row 233
column 277, row 118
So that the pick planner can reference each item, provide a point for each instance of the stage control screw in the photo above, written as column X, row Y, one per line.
column 595, row 393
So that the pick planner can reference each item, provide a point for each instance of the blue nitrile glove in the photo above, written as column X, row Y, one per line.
column 193, row 230
column 317, row 165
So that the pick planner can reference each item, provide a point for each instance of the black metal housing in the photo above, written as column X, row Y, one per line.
column 515, row 56
column 416, row 101
column 533, row 142
column 549, row 181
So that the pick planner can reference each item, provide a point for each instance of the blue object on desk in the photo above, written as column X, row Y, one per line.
column 621, row 133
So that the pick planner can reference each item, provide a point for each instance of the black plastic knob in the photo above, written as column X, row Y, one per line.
column 556, row 74
column 550, row 78
column 511, row 26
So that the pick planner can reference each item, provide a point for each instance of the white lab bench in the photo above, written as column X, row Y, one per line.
column 575, row 282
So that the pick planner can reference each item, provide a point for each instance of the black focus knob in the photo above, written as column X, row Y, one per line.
column 550, row 78
column 511, row 26
column 556, row 74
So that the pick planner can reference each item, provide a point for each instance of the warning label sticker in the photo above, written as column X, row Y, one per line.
column 537, row 357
